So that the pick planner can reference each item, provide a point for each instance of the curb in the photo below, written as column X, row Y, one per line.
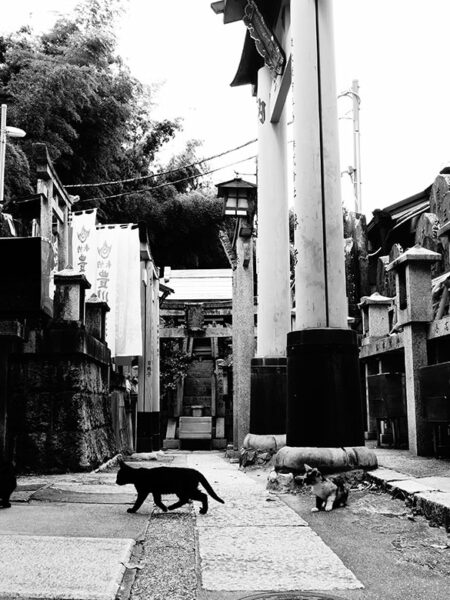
column 431, row 502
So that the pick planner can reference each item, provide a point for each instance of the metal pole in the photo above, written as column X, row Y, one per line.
column 356, row 146
column 2, row 152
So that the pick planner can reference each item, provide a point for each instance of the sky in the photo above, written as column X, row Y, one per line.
column 397, row 50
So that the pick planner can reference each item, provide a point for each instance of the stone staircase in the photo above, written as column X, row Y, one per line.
column 197, row 386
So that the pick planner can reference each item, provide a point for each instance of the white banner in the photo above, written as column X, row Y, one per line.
column 84, row 244
column 109, row 256
column 128, row 293
column 106, row 279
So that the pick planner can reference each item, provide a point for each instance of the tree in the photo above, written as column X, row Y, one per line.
column 69, row 89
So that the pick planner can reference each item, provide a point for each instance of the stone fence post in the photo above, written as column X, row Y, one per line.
column 414, row 312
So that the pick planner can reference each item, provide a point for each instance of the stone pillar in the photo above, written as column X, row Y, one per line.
column 95, row 319
column 268, row 376
column 70, row 289
column 324, row 392
column 375, row 316
column 148, row 436
column 375, row 322
column 243, row 337
column 414, row 312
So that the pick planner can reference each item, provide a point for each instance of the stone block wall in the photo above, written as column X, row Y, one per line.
column 60, row 406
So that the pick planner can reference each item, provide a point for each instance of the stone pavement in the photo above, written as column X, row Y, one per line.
column 70, row 537
column 256, row 542
column 425, row 482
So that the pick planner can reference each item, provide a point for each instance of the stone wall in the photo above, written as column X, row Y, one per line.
column 59, row 403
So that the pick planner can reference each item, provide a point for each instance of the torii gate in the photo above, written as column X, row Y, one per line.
column 289, row 46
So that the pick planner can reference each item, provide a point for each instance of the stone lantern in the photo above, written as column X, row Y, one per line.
column 239, row 199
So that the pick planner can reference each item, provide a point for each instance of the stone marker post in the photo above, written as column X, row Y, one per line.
column 243, row 337
column 375, row 320
column 415, row 311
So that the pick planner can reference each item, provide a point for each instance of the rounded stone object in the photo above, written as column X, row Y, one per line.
column 264, row 442
column 330, row 459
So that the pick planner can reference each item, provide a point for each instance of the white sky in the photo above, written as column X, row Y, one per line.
column 397, row 49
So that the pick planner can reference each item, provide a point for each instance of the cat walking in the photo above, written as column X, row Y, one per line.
column 330, row 493
column 182, row 482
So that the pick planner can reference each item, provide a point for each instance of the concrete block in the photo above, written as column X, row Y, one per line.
column 43, row 567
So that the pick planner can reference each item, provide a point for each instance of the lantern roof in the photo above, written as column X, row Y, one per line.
column 236, row 183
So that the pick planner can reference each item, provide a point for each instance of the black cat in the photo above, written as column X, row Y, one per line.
column 182, row 482
column 8, row 483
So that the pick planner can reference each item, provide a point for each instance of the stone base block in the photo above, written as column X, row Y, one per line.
column 171, row 444
column 324, row 403
column 219, row 443
column 268, row 395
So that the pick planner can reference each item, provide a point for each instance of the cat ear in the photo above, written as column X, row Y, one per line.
column 307, row 467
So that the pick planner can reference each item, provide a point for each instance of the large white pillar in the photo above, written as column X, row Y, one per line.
column 320, row 271
column 324, row 395
column 272, row 248
column 268, row 368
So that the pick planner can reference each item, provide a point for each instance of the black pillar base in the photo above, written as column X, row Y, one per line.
column 324, row 406
column 268, row 396
column 148, row 432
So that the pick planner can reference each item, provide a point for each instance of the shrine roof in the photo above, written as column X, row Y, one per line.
column 200, row 284
column 250, row 61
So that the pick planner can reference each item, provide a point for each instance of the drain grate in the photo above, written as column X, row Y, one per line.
column 290, row 596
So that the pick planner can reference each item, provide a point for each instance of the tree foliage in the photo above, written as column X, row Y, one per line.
column 69, row 89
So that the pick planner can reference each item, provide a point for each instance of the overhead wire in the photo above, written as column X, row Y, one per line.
column 156, row 187
column 162, row 173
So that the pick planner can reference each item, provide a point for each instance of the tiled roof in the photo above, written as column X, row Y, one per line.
column 200, row 284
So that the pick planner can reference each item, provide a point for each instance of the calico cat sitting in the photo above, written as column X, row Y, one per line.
column 182, row 482
column 330, row 492
column 8, row 483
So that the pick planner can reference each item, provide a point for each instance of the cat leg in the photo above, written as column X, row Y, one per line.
column 330, row 502
column 203, row 498
column 319, row 504
column 157, row 500
column 181, row 501
column 139, row 501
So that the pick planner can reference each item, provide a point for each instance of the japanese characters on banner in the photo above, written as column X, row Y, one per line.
column 106, row 279
column 84, row 244
column 109, row 256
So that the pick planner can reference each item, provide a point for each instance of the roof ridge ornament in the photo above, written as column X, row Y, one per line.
column 266, row 43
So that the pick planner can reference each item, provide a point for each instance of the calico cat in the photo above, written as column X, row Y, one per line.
column 182, row 482
column 330, row 492
column 8, row 483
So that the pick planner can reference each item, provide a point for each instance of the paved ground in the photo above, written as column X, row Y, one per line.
column 70, row 537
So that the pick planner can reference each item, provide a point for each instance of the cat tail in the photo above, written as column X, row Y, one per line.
column 209, row 489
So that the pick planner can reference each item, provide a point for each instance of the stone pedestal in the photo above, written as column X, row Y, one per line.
column 324, row 407
column 268, row 396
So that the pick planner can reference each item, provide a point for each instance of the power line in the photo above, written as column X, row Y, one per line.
column 132, row 179
column 156, row 187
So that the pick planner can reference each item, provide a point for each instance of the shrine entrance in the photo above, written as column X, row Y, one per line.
column 198, row 412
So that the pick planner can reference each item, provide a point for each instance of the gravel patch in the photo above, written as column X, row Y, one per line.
column 169, row 559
